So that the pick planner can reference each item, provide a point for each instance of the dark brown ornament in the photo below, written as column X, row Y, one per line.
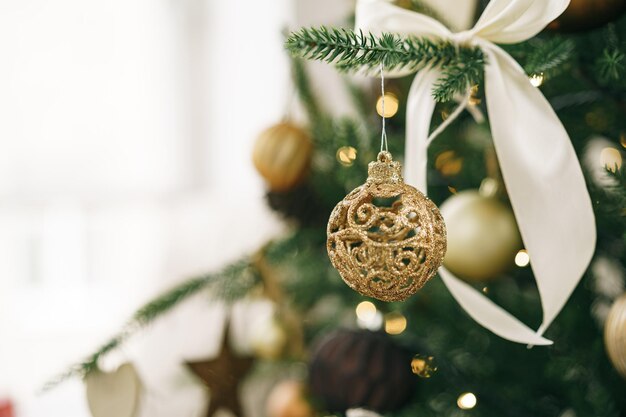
column 351, row 369
column 584, row 15
column 300, row 204
column 222, row 375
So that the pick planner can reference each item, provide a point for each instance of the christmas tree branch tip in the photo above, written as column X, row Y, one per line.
column 231, row 283
column 349, row 50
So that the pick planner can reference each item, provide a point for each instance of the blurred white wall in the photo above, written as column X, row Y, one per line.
column 125, row 137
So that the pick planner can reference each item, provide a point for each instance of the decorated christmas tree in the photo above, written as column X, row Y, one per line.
column 457, row 248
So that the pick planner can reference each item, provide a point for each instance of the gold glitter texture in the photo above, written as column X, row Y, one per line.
column 386, row 238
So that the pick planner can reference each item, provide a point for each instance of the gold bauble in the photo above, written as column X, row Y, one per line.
column 386, row 238
column 583, row 15
column 269, row 339
column 615, row 335
column 483, row 237
column 287, row 399
column 282, row 155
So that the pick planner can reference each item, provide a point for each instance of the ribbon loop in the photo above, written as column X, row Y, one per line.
column 538, row 163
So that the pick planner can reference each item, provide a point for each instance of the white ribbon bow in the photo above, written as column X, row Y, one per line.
column 538, row 163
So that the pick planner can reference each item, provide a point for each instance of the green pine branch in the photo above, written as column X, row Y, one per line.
column 548, row 56
column 231, row 283
column 462, row 66
column 612, row 65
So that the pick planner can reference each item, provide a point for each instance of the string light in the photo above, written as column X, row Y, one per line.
column 536, row 79
column 368, row 316
column 365, row 310
column 622, row 139
column 448, row 163
column 391, row 105
column 346, row 155
column 522, row 258
column 611, row 159
column 395, row 323
column 466, row 401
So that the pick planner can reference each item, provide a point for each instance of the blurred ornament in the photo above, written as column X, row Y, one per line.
column 423, row 366
column 583, row 15
column 483, row 238
column 282, row 155
column 300, row 204
column 268, row 339
column 386, row 238
column 608, row 277
column 615, row 335
column 611, row 159
column 288, row 399
column 346, row 155
column 114, row 393
column 361, row 412
column 6, row 408
column 351, row 369
column 222, row 375
column 466, row 401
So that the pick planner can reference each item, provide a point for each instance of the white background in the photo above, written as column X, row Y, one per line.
column 125, row 137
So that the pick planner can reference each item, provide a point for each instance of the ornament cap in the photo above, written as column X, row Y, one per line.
column 384, row 170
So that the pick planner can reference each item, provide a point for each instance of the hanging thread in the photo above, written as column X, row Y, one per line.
column 383, row 136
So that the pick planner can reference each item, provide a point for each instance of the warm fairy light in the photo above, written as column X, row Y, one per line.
column 522, row 258
column 489, row 187
column 395, row 323
column 346, row 155
column 536, row 79
column 368, row 317
column 622, row 139
column 391, row 105
column 466, row 401
column 365, row 310
column 452, row 189
column 448, row 163
column 611, row 159
column 485, row 290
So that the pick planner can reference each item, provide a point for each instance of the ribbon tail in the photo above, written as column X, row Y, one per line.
column 419, row 113
column 543, row 179
column 420, row 107
column 488, row 314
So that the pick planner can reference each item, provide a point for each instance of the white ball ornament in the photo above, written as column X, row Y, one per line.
column 483, row 237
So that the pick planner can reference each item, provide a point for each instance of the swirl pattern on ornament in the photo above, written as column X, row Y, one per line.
column 386, row 240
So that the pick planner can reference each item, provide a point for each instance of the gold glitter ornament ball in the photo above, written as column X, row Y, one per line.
column 615, row 335
column 282, row 155
column 386, row 238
